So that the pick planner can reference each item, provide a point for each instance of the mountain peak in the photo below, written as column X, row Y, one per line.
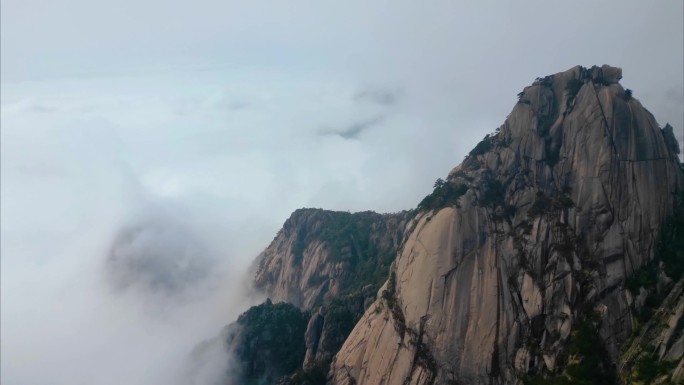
column 526, row 244
column 533, row 260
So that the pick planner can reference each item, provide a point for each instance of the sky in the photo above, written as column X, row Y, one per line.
column 150, row 150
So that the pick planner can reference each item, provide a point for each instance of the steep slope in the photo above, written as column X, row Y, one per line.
column 655, row 352
column 525, row 249
column 267, row 342
column 332, row 264
column 320, row 254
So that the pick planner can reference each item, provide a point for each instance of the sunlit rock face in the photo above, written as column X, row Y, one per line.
column 157, row 257
column 320, row 254
column 537, row 230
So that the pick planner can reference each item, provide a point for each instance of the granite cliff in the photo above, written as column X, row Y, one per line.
column 559, row 208
column 322, row 270
column 541, row 258
column 320, row 254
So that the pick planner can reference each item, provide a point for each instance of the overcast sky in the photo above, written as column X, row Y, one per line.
column 208, row 122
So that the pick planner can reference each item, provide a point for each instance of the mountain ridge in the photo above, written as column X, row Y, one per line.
column 315, row 253
column 562, row 204
column 518, row 257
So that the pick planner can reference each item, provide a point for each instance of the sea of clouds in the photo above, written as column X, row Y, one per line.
column 150, row 150
column 133, row 209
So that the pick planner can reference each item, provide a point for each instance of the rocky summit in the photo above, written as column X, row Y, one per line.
column 553, row 254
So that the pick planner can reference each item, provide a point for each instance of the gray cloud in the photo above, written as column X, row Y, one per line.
column 211, row 363
column 382, row 97
column 354, row 130
column 675, row 94
column 157, row 256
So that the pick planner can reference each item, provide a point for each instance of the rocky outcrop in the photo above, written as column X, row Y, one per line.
column 319, row 254
column 532, row 235
column 670, row 139
column 329, row 327
column 266, row 343
column 331, row 263
column 655, row 353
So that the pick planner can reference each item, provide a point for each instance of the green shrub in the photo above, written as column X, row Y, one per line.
column 298, row 248
column 493, row 192
column 590, row 363
column 544, row 205
column 269, row 341
column 541, row 205
column 445, row 194
column 649, row 367
column 482, row 147
column 365, row 242
column 669, row 252
column 646, row 277
column 342, row 313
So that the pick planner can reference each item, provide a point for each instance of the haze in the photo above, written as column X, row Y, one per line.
column 150, row 151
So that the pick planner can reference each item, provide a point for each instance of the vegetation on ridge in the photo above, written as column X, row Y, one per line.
column 365, row 244
column 445, row 193
column 588, row 362
column 668, row 259
column 582, row 358
column 269, row 342
column 361, row 240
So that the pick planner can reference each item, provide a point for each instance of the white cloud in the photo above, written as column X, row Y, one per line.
column 105, row 158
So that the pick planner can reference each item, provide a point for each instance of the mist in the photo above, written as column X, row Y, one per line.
column 149, row 152
column 68, row 315
column 132, row 216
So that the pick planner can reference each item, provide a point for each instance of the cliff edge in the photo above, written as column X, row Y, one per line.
column 527, row 245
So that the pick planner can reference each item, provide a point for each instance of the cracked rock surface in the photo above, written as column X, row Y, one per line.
column 563, row 203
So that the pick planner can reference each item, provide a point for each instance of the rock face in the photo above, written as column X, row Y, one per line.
column 655, row 352
column 329, row 327
column 658, row 345
column 319, row 254
column 333, row 263
column 536, row 231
